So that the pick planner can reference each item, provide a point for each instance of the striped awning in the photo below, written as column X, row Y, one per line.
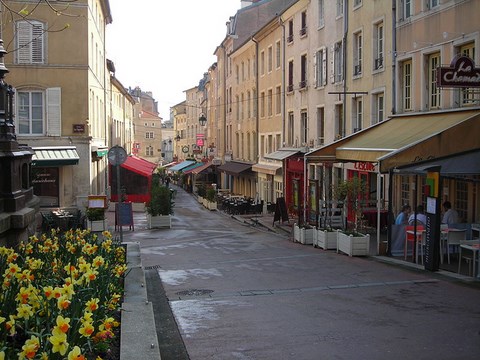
column 55, row 156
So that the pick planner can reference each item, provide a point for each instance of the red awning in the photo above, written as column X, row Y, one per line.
column 139, row 166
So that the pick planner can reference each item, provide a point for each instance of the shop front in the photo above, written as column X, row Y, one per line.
column 51, row 169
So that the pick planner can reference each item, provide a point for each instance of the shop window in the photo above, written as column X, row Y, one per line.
column 45, row 182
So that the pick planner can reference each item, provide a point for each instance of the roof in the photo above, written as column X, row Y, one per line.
column 55, row 156
column 139, row 166
column 281, row 154
column 269, row 169
column 247, row 21
column 234, row 168
column 190, row 168
column 182, row 165
column 200, row 169
column 407, row 139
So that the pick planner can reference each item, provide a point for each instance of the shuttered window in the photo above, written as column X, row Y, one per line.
column 30, row 42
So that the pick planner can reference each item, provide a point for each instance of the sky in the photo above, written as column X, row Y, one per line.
column 165, row 46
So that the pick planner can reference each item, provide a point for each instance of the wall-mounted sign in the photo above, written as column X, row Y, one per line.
column 78, row 128
column 185, row 149
column 461, row 73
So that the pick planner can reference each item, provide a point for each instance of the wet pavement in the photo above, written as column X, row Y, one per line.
column 227, row 288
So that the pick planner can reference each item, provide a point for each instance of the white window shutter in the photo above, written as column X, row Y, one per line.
column 315, row 68
column 37, row 44
column 23, row 43
column 54, row 111
column 324, row 67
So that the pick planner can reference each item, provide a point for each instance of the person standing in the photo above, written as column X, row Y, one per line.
column 402, row 217
column 450, row 216
column 167, row 181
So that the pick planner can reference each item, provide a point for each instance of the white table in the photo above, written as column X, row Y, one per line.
column 474, row 247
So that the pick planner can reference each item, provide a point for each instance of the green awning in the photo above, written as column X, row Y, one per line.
column 55, row 156
column 99, row 151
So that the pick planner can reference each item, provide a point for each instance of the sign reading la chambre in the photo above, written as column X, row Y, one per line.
column 461, row 73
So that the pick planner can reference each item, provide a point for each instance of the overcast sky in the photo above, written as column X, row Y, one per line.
column 165, row 46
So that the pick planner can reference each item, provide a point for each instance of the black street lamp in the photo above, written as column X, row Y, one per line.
column 177, row 137
column 202, row 120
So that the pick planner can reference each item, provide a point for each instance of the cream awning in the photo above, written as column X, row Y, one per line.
column 270, row 169
column 403, row 140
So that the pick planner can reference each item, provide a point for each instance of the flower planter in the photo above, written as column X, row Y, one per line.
column 303, row 235
column 210, row 205
column 353, row 245
column 159, row 221
column 97, row 225
column 326, row 240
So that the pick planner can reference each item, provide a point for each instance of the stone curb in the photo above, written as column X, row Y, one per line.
column 138, row 339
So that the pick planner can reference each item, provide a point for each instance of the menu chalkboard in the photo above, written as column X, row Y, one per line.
column 124, row 215
column 280, row 210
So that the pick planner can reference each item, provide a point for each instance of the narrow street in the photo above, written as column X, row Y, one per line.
column 242, row 292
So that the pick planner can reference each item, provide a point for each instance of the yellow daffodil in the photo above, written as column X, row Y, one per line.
column 59, row 342
column 24, row 311
column 76, row 354
column 92, row 304
column 87, row 329
column 31, row 347
column 2, row 355
column 63, row 323
column 63, row 303
column 48, row 291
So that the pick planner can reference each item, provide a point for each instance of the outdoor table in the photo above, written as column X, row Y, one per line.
column 62, row 218
column 475, row 249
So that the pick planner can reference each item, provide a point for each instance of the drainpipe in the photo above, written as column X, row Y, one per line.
column 394, row 57
column 257, row 118
column 345, row 31
column 284, row 175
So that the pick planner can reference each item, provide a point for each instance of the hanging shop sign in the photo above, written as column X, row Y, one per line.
column 461, row 73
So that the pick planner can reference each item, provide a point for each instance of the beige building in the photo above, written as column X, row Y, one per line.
column 180, row 131
column 61, row 95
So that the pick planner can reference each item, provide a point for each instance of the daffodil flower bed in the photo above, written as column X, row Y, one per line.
column 60, row 296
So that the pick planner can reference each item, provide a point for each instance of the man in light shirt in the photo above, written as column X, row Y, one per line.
column 450, row 216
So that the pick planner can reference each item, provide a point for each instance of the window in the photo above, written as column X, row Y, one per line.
column 262, row 63
column 290, row 31
column 254, row 99
column 321, row 13
column 278, row 100
column 461, row 203
column 468, row 94
column 406, row 9
column 243, row 71
column 339, row 8
column 303, row 71
column 357, row 54
column 405, row 190
column 278, row 58
column 379, row 107
column 321, row 125
column 379, row 50
column 248, row 69
column 433, row 90
column 358, row 113
column 237, row 74
column 432, row 3
column 407, row 85
column 303, row 127
column 338, row 62
column 303, row 29
column 262, row 104
column 270, row 102
column 149, row 135
column 249, row 99
column 270, row 59
column 290, row 127
column 321, row 68
column 30, row 112
column 242, row 102
column 290, row 76
column 149, row 150
column 30, row 42
column 339, row 129
column 237, row 107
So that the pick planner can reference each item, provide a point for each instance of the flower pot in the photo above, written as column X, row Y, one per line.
column 211, row 205
column 353, row 245
column 324, row 239
column 303, row 235
column 97, row 225
column 159, row 221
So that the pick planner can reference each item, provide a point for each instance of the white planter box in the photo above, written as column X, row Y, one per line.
column 159, row 221
column 353, row 245
column 302, row 235
column 97, row 225
column 200, row 199
column 210, row 205
column 326, row 240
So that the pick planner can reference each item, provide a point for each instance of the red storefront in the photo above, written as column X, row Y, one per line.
column 294, row 184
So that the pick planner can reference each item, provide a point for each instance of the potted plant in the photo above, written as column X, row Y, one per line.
column 210, row 200
column 201, row 193
column 351, row 241
column 96, row 219
column 160, row 207
column 325, row 238
column 303, row 234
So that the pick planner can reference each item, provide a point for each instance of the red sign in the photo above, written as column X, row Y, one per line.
column 461, row 73
column 364, row 166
